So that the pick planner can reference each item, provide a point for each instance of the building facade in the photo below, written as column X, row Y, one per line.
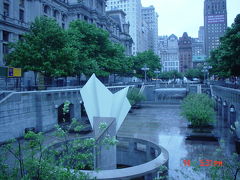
column 17, row 15
column 145, row 36
column 133, row 10
column 185, row 52
column 198, row 53
column 168, row 51
column 215, row 23
column 201, row 36
column 151, row 18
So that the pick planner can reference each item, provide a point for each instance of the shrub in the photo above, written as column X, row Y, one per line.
column 134, row 96
column 198, row 109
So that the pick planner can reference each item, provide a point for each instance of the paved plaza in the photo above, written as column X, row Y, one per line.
column 164, row 125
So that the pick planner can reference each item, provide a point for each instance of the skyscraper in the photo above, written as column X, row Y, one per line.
column 151, row 17
column 215, row 23
column 133, row 10
column 201, row 34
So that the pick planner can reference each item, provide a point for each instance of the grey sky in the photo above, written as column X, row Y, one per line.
column 178, row 16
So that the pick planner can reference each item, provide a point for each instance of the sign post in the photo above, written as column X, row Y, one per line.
column 11, row 72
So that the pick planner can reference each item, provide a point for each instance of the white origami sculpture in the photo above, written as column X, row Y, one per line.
column 100, row 102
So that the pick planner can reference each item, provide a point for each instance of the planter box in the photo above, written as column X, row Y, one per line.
column 203, row 127
column 136, row 106
column 203, row 133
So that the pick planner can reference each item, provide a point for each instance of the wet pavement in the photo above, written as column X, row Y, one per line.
column 164, row 125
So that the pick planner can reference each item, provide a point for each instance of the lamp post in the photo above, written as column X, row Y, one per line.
column 205, row 70
column 157, row 72
column 145, row 69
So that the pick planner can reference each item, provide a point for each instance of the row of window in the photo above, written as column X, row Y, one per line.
column 171, row 63
column 6, row 10
column 56, row 13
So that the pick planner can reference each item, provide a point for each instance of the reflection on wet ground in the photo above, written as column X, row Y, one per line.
column 164, row 125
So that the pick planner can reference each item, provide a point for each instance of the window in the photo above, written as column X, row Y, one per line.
column 64, row 18
column 56, row 14
column 5, row 49
column 6, row 9
column 20, row 37
column 21, row 3
column 21, row 15
column 47, row 10
column 5, row 36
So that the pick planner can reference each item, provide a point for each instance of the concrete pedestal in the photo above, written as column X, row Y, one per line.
column 105, row 154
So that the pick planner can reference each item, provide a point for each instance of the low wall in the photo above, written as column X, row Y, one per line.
column 37, row 109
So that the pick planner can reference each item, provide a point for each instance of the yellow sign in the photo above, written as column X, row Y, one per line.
column 14, row 72
column 17, row 72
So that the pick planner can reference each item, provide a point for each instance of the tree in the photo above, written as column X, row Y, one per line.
column 149, row 59
column 225, row 60
column 194, row 73
column 170, row 75
column 62, row 159
column 43, row 50
column 95, row 52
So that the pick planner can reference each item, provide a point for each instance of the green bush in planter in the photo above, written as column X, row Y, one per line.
column 134, row 96
column 198, row 109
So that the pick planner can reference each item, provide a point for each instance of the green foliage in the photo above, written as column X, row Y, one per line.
column 102, row 126
column 225, row 60
column 170, row 75
column 95, row 52
column 56, row 52
column 149, row 59
column 229, row 170
column 194, row 73
column 66, row 107
column 61, row 160
column 43, row 50
column 198, row 109
column 134, row 96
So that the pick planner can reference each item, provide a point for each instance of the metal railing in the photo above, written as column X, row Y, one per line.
column 227, row 85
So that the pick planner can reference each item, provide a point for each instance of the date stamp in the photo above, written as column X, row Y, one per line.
column 206, row 162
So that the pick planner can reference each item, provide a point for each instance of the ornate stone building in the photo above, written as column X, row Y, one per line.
column 16, row 16
column 168, row 52
column 185, row 52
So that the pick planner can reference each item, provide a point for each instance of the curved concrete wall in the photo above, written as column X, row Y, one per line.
column 149, row 170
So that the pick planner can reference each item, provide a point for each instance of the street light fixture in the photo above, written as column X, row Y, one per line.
column 205, row 70
column 145, row 69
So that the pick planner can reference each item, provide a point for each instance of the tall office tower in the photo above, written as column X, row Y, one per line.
column 162, row 49
column 145, row 37
column 215, row 23
column 133, row 10
column 168, row 52
column 185, row 52
column 151, row 18
column 201, row 34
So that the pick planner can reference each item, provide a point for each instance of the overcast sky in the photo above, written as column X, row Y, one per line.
column 178, row 16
